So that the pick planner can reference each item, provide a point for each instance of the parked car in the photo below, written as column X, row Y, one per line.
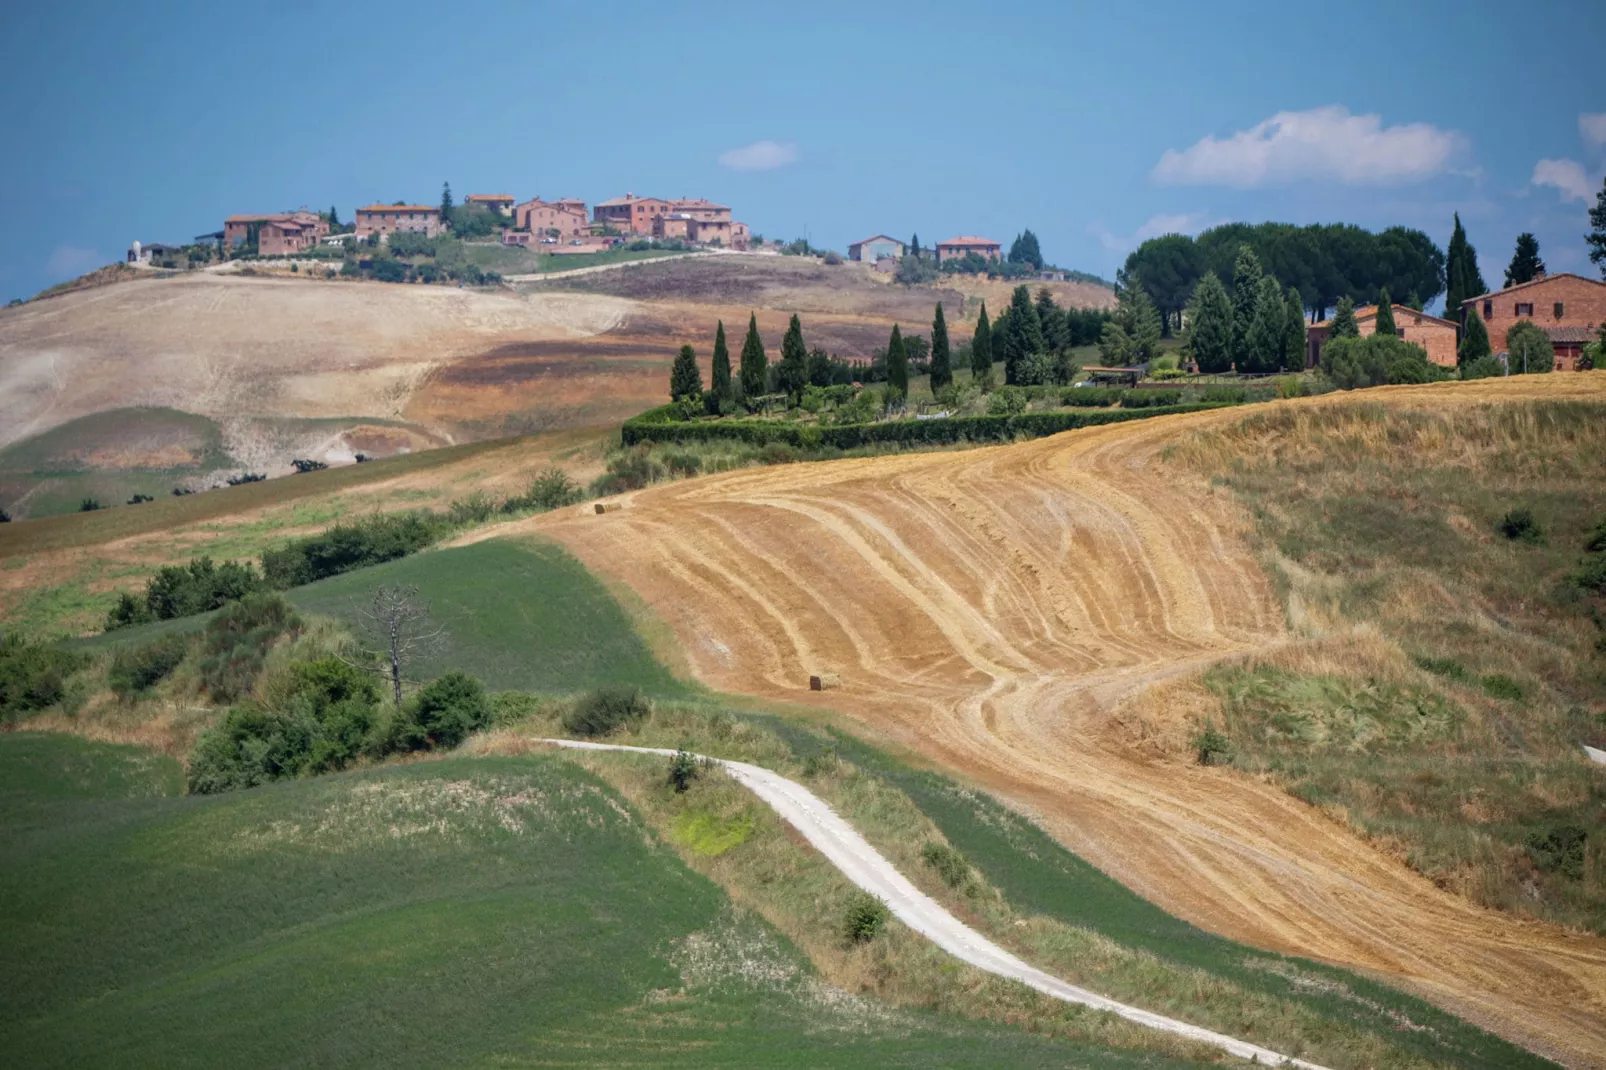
column 577, row 241
column 549, row 241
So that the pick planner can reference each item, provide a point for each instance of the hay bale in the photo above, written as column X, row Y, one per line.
column 824, row 681
column 608, row 507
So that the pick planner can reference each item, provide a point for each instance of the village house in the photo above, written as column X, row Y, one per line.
column 688, row 227
column 877, row 248
column 492, row 202
column 630, row 214
column 1435, row 335
column 237, row 229
column 282, row 237
column 385, row 219
column 702, row 209
column 540, row 218
column 639, row 215
column 958, row 248
column 1568, row 308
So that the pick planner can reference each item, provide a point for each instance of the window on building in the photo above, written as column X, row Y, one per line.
column 1525, row 308
column 1488, row 310
column 1559, row 309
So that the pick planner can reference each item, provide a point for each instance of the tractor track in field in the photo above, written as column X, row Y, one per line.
column 989, row 608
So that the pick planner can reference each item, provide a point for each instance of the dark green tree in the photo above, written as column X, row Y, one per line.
column 1462, row 278
column 981, row 348
column 1414, row 301
column 1474, row 340
column 914, row 245
column 334, row 218
column 1137, row 316
column 1246, row 276
column 1209, row 319
column 685, row 380
column 820, row 370
column 1525, row 263
column 1024, row 250
column 792, row 373
column 1022, row 334
column 1294, row 338
column 1344, row 325
column 1529, row 350
column 446, row 205
column 1596, row 238
column 1169, row 269
column 897, row 364
column 942, row 370
column 1051, row 318
column 755, row 365
column 1385, row 314
column 1264, row 342
column 721, row 374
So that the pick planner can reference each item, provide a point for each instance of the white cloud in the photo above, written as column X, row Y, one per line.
column 1320, row 144
column 1592, row 128
column 1153, row 227
column 1567, row 176
column 759, row 156
column 70, row 261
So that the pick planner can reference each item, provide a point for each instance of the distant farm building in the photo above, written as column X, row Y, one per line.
column 692, row 219
column 872, row 249
column 491, row 202
column 959, row 248
column 1568, row 308
column 237, row 229
column 541, row 218
column 1433, row 334
column 385, row 219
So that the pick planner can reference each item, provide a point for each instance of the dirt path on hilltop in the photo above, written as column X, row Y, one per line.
column 989, row 607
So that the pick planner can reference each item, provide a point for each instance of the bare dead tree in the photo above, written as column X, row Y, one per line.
column 397, row 632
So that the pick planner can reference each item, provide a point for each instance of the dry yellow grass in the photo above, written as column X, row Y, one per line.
column 991, row 608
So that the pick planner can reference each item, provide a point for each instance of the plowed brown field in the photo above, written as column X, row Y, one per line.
column 989, row 608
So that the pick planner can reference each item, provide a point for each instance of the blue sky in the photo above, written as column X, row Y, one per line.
column 1094, row 125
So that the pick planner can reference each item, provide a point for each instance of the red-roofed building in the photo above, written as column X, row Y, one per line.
column 630, row 214
column 237, row 229
column 390, row 218
column 1567, row 307
column 566, row 216
column 962, row 246
column 1433, row 334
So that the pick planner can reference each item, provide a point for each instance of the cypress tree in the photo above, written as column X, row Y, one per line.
column 1474, row 340
column 1463, row 280
column 1344, row 325
column 1246, row 275
column 334, row 218
column 1052, row 320
column 1210, row 325
column 755, row 364
column 1385, row 314
column 1264, row 341
column 685, row 380
column 1022, row 334
column 1596, row 237
column 897, row 364
column 942, row 372
column 792, row 374
column 914, row 246
column 1294, row 340
column 820, row 371
column 446, row 205
column 1525, row 263
column 981, row 348
column 721, row 384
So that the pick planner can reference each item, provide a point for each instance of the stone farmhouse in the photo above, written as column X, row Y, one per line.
column 1437, row 336
column 535, row 219
column 1568, row 308
column 879, row 247
column 298, row 229
column 693, row 219
column 958, row 248
column 385, row 219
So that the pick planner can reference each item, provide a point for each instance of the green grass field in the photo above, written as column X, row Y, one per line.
column 468, row 912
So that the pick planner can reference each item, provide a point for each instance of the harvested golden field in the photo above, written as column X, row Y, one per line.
column 991, row 610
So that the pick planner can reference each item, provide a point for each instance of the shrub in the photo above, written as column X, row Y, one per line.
column 631, row 470
column 1592, row 576
column 683, row 464
column 682, row 770
column 1596, row 543
column 302, row 464
column 179, row 591
column 1449, row 668
column 604, row 710
column 1519, row 525
column 552, row 489
column 1484, row 367
column 1150, row 398
column 128, row 610
column 1499, row 685
column 1211, row 746
column 135, row 670
column 33, row 676
column 246, row 477
column 832, row 257
column 777, row 453
column 821, row 763
column 1090, row 396
column 235, row 643
column 443, row 713
column 140, row 499
column 865, row 918
column 89, row 505
column 1007, row 401
column 370, row 541
column 949, row 863
column 477, row 508
column 1560, row 850
column 1352, row 363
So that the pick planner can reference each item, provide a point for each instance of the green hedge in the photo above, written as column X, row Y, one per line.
column 653, row 427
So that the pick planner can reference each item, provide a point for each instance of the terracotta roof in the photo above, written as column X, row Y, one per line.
column 257, row 217
column 1535, row 282
column 698, row 202
column 488, row 197
column 967, row 239
column 1574, row 335
column 1366, row 312
column 876, row 237
column 400, row 208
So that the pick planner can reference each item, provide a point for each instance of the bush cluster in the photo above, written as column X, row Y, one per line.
column 136, row 669
column 604, row 710
column 235, row 643
column 182, row 590
column 346, row 546
column 866, row 916
column 1519, row 525
column 949, row 863
column 1352, row 363
column 1151, row 399
column 33, row 676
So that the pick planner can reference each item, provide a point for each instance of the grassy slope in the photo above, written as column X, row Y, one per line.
column 1381, row 529
column 463, row 912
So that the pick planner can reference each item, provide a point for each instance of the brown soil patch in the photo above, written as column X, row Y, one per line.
column 992, row 608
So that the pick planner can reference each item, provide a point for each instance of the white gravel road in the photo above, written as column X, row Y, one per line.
column 864, row 866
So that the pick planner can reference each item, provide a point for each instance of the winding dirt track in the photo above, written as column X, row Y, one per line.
column 989, row 607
